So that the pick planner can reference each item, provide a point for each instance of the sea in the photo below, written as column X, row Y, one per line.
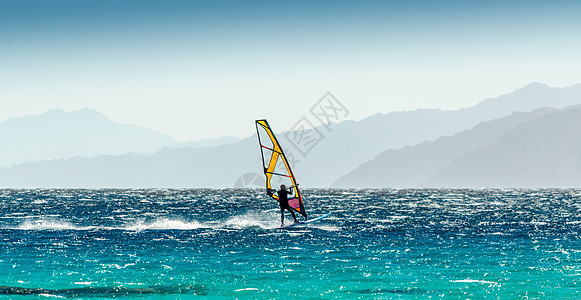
column 220, row 244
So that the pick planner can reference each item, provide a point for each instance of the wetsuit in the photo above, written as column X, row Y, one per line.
column 283, row 201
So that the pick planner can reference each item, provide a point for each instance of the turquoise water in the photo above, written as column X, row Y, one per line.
column 210, row 243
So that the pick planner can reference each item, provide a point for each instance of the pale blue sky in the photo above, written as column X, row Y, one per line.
column 199, row 69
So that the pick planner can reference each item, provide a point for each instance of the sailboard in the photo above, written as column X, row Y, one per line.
column 305, row 222
column 277, row 169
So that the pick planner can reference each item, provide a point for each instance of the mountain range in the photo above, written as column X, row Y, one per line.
column 57, row 134
column 534, row 149
column 541, row 153
column 345, row 148
column 351, row 143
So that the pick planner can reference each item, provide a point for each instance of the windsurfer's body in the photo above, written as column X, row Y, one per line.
column 283, row 194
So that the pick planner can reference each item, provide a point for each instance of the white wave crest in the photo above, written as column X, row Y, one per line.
column 165, row 224
column 247, row 221
column 236, row 222
column 50, row 296
column 476, row 281
column 246, row 289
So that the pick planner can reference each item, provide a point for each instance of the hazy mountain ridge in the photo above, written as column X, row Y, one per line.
column 57, row 134
column 211, row 142
column 352, row 143
column 409, row 167
column 542, row 153
column 343, row 148
column 172, row 168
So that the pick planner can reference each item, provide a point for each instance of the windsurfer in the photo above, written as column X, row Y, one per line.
column 283, row 201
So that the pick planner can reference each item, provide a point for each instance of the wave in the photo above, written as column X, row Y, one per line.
column 476, row 281
column 249, row 220
column 236, row 222
column 246, row 289
column 164, row 224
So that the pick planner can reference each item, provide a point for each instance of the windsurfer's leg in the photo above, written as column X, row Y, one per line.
column 281, row 217
column 293, row 214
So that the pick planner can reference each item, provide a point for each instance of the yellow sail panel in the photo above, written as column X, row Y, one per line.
column 276, row 166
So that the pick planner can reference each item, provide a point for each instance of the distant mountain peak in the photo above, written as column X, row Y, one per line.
column 57, row 134
column 90, row 114
column 53, row 111
column 535, row 85
column 60, row 113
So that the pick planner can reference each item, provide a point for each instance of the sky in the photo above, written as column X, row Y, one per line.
column 203, row 69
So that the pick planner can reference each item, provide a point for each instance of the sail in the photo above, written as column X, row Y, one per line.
column 277, row 168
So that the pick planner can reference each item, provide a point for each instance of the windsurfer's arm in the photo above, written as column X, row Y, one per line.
column 292, row 188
